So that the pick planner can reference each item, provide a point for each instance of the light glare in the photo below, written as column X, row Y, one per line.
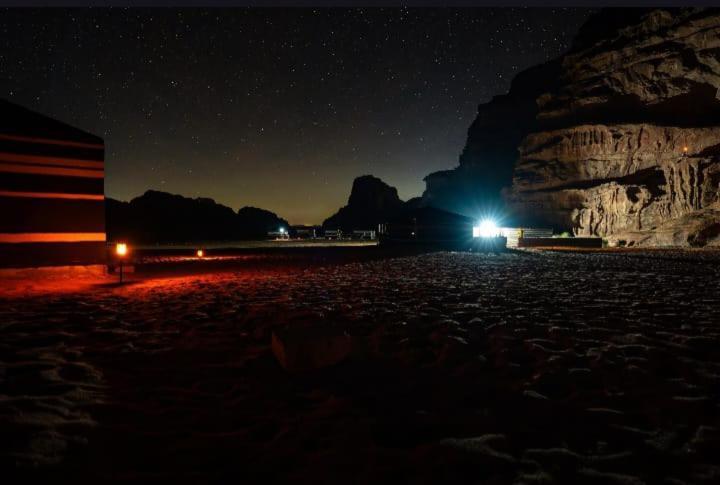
column 487, row 228
column 121, row 249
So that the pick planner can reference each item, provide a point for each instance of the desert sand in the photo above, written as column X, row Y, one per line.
column 529, row 367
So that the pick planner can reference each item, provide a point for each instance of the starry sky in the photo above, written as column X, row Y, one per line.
column 275, row 108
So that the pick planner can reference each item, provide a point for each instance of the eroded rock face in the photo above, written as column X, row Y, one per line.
column 629, row 142
column 660, row 68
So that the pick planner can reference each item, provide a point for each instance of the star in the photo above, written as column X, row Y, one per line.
column 255, row 106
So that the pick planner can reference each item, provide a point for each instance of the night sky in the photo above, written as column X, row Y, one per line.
column 275, row 108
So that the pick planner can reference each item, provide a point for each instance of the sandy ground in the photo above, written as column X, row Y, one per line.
column 532, row 367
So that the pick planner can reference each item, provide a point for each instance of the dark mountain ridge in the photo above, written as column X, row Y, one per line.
column 160, row 217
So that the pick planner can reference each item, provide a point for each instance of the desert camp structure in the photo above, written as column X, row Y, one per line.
column 304, row 232
column 52, row 202
column 364, row 234
column 427, row 225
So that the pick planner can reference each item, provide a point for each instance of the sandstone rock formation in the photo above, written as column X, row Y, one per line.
column 486, row 162
column 610, row 180
column 371, row 201
column 630, row 143
column 619, row 138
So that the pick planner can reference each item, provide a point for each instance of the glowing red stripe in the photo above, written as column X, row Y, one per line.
column 31, row 237
column 35, row 159
column 71, row 172
column 48, row 141
column 50, row 195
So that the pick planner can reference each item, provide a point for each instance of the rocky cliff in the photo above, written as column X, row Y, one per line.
column 486, row 162
column 619, row 138
column 629, row 140
column 371, row 201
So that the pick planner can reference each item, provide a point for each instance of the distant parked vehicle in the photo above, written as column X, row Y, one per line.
column 279, row 235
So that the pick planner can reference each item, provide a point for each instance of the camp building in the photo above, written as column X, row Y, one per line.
column 52, row 202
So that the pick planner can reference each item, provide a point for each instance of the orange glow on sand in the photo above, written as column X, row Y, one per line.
column 121, row 249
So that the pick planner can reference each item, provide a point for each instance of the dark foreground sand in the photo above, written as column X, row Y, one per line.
column 516, row 368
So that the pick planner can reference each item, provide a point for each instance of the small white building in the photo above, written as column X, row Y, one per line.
column 514, row 234
column 364, row 235
column 333, row 234
column 304, row 232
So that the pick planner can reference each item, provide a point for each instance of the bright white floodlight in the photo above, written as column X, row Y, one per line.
column 487, row 228
column 282, row 230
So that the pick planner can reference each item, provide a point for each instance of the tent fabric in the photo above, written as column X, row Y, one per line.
column 52, row 201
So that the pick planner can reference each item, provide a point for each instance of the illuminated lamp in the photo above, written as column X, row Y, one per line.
column 487, row 228
column 121, row 249
column 200, row 253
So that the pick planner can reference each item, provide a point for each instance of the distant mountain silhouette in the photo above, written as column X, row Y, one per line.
column 371, row 202
column 160, row 217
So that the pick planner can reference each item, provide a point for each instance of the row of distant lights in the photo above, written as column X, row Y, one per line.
column 121, row 249
column 487, row 228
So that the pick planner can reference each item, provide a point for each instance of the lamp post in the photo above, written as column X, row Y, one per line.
column 121, row 251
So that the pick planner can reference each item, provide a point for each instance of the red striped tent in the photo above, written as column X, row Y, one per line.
column 52, row 202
